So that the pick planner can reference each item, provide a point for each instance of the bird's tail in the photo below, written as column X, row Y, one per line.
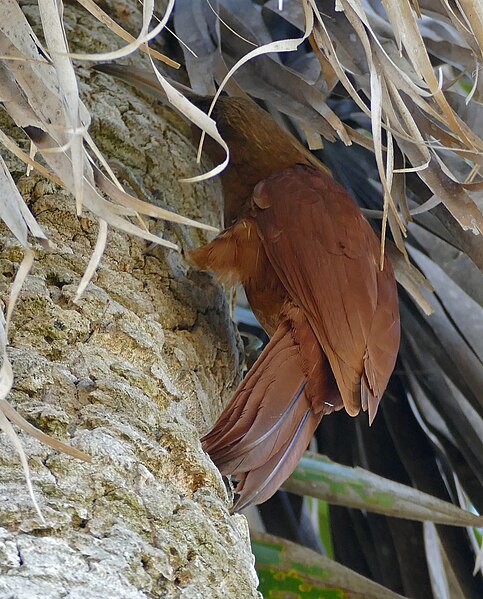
column 262, row 433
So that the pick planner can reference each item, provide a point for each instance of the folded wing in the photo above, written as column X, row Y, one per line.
column 327, row 257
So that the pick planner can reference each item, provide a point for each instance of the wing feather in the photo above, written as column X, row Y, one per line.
column 326, row 255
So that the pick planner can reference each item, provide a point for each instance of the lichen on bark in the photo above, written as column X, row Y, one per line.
column 131, row 374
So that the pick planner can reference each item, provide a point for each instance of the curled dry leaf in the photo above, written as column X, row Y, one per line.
column 97, row 12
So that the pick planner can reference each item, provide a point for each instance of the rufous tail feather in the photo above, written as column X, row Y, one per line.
column 262, row 433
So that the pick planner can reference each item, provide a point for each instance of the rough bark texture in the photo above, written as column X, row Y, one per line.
column 130, row 374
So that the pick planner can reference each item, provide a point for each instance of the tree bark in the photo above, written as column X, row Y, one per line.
column 131, row 374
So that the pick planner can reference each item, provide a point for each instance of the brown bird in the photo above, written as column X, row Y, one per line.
column 309, row 263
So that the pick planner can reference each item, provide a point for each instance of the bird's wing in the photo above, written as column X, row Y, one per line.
column 327, row 257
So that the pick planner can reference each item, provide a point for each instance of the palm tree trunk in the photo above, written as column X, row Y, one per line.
column 131, row 374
